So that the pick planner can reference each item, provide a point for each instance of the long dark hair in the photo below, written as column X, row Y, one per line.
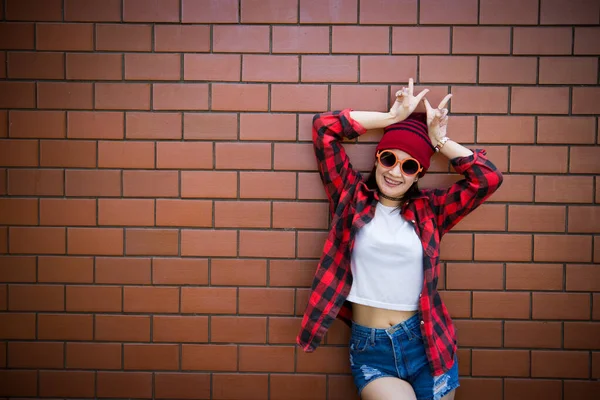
column 412, row 191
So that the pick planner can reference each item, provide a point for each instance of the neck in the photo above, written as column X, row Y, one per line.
column 389, row 200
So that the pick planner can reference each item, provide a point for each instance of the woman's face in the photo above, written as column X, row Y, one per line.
column 391, row 181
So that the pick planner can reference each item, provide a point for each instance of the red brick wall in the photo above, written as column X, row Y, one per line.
column 161, row 216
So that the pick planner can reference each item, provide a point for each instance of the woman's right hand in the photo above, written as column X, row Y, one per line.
column 406, row 102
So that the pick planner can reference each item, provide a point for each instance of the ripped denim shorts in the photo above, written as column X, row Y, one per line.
column 399, row 352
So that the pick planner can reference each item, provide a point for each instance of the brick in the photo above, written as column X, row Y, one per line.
column 240, row 97
column 26, row 65
column 208, row 243
column 359, row 97
column 41, row 182
column 584, row 40
column 124, row 384
column 182, row 155
column 181, row 38
column 150, row 183
column 298, row 97
column 122, row 270
column 580, row 335
column 564, row 189
column 178, row 96
column 240, row 39
column 19, row 211
column 530, row 100
column 296, row 215
column 67, row 153
column 536, row 218
column 242, row 214
column 151, row 299
column 122, row 96
column 479, row 333
column 65, row 95
column 504, row 305
column 567, row 130
column 459, row 69
column 456, row 246
column 151, row 10
column 212, row 126
column 209, row 11
column 182, row 386
column 534, row 276
column 161, row 67
column 296, row 273
column 189, row 213
column 511, row 12
column 481, row 99
column 209, row 357
column 581, row 389
column 481, row 40
column 505, row 129
column 153, row 125
column 384, row 68
column 17, row 95
column 270, row 68
column 174, row 271
column 61, row 37
column 208, row 300
column 341, row 387
column 125, row 37
column 240, row 386
column 269, row 11
column 275, row 244
column 4, row 126
column 19, row 153
column 491, row 247
column 179, row 328
column 508, row 70
column 559, row 364
column 95, row 125
column 584, row 219
column 147, row 357
column 474, row 276
column 580, row 12
column 300, row 39
column 130, row 328
column 542, row 41
column 20, row 326
column 58, row 269
column 533, row 334
column 65, row 327
column 35, row 355
column 434, row 12
column 583, row 278
column 71, row 212
column 572, row 248
column 243, row 156
column 540, row 159
column 238, row 272
column 420, row 40
column 561, row 306
column 294, row 157
column 82, row 66
column 93, row 183
column 329, row 68
column 332, row 360
column 18, row 383
column 92, row 11
column 360, row 39
column 274, row 301
column 121, row 154
column 34, row 10
column 40, row 240
column 310, row 244
column 36, row 298
column 328, row 12
column 267, row 359
column 568, row 70
column 208, row 184
column 94, row 298
column 238, row 329
column 283, row 330
column 500, row 363
column 95, row 241
column 291, row 386
column 152, row 242
column 584, row 99
column 310, row 187
column 212, row 67
column 267, row 126
column 67, row 383
column 17, row 36
column 93, row 355
column 15, row 269
column 388, row 12
column 521, row 389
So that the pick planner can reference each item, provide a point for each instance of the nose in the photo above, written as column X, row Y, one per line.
column 396, row 171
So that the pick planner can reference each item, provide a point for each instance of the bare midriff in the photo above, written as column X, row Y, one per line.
column 380, row 318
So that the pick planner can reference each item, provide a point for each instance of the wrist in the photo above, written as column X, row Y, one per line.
column 440, row 143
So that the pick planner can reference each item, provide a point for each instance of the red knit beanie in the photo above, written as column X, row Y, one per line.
column 410, row 136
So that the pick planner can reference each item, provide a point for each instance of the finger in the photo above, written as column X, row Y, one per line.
column 422, row 94
column 400, row 93
column 444, row 101
column 427, row 105
column 411, row 86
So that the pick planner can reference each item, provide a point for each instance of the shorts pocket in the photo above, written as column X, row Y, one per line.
column 360, row 344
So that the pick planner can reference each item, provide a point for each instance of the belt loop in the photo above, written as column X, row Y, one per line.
column 373, row 332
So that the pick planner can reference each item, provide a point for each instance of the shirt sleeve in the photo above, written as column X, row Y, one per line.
column 337, row 173
column 481, row 180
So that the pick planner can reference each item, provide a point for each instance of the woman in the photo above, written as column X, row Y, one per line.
column 380, row 264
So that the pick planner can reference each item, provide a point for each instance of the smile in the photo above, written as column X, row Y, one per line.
column 392, row 182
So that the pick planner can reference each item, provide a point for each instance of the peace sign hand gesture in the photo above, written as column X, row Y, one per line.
column 437, row 119
column 406, row 102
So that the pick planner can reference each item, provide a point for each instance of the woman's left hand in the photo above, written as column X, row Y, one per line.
column 437, row 119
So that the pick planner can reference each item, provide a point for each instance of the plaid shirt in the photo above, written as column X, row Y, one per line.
column 433, row 212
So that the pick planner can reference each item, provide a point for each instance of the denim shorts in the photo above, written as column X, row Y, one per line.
column 399, row 352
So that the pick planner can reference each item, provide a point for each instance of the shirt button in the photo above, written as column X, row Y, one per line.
column 422, row 322
column 413, row 221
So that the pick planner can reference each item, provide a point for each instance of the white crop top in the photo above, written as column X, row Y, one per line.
column 387, row 263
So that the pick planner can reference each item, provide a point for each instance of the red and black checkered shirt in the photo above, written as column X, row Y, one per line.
column 352, row 204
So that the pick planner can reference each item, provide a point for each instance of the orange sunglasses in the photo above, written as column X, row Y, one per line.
column 409, row 166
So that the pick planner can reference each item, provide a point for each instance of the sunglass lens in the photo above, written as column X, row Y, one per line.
column 410, row 167
column 387, row 159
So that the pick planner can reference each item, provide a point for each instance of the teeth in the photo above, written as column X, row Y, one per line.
column 391, row 181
